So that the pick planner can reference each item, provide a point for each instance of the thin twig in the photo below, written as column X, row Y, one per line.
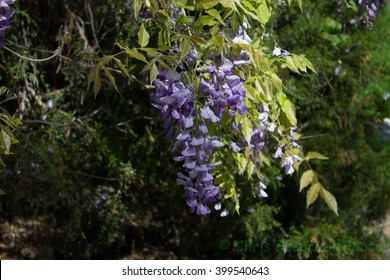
column 313, row 136
column 55, row 53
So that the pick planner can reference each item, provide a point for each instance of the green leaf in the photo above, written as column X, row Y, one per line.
column 136, row 7
column 300, row 4
column 311, row 155
column 299, row 63
column 215, row 14
column 308, row 64
column 312, row 194
column 229, row 4
column 207, row 21
column 163, row 40
column 307, row 177
column 97, row 85
column 32, row 78
column 250, row 168
column 3, row 90
column 329, row 199
column 5, row 142
column 263, row 12
column 247, row 129
column 217, row 40
column 164, row 13
column 291, row 65
column 143, row 36
column 2, row 192
column 214, row 30
column 94, row 76
column 241, row 162
column 10, row 121
column 153, row 72
column 184, row 48
column 110, row 77
column 287, row 108
column 207, row 4
column 122, row 67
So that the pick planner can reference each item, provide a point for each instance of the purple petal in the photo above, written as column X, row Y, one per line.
column 202, row 210
column 188, row 152
column 173, row 76
column 189, row 164
column 233, row 80
column 197, row 141
column 189, row 122
column 185, row 135
column 217, row 143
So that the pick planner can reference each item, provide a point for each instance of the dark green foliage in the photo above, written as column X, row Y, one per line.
column 95, row 177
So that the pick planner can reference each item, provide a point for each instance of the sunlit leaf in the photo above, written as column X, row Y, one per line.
column 312, row 194
column 153, row 72
column 143, row 36
column 307, row 177
column 311, row 155
column 263, row 12
column 229, row 4
column 184, row 48
column 207, row 4
column 216, row 15
column 329, row 199
column 247, row 129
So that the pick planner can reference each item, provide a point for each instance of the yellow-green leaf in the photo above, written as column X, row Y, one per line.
column 153, row 72
column 299, row 63
column 287, row 108
column 308, row 64
column 311, row 155
column 164, row 13
column 217, row 40
column 329, row 199
column 143, row 36
column 307, row 177
column 5, row 141
column 97, row 84
column 207, row 4
column 247, row 129
column 215, row 14
column 312, row 194
column 250, row 168
column 122, row 67
column 263, row 12
column 110, row 77
column 229, row 4
column 184, row 48
column 291, row 65
column 94, row 76
column 300, row 4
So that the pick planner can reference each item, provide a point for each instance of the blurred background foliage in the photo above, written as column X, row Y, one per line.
column 93, row 178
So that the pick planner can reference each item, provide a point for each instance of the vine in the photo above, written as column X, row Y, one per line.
column 217, row 88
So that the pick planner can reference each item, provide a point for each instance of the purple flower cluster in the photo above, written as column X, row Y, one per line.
column 189, row 109
column 176, row 102
column 5, row 15
column 223, row 90
column 367, row 10
column 369, row 6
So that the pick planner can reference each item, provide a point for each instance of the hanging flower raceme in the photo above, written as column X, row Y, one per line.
column 5, row 18
column 219, row 94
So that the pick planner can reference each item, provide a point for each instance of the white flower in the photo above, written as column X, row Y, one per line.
column 277, row 51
